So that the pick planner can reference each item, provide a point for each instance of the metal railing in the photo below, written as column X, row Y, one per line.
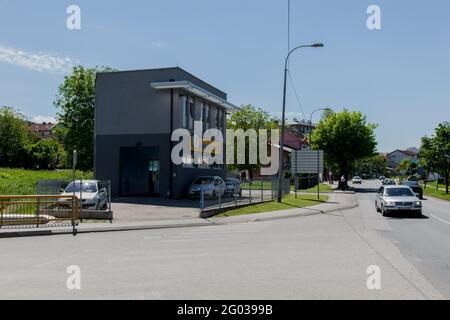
column 250, row 192
column 39, row 211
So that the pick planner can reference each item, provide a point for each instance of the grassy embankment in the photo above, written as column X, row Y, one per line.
column 23, row 182
column 440, row 193
column 289, row 202
column 266, row 185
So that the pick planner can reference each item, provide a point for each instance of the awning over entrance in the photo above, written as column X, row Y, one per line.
column 196, row 90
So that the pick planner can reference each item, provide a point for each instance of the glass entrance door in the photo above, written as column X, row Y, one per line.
column 153, row 174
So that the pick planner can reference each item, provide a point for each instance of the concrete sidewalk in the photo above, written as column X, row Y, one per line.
column 337, row 201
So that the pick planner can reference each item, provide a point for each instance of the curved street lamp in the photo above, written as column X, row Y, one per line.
column 283, row 117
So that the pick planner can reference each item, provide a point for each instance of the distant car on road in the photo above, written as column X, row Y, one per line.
column 415, row 186
column 382, row 178
column 397, row 198
column 233, row 187
column 388, row 182
column 357, row 180
column 212, row 187
column 90, row 192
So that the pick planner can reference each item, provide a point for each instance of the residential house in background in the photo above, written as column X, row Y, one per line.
column 292, row 142
column 43, row 130
column 295, row 141
column 394, row 158
column 302, row 129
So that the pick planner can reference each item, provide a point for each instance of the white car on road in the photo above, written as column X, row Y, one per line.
column 357, row 180
column 393, row 198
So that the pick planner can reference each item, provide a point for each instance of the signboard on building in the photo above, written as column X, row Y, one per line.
column 307, row 161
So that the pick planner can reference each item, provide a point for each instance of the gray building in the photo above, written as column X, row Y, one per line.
column 135, row 115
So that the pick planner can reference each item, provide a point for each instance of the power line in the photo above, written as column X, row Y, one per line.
column 296, row 94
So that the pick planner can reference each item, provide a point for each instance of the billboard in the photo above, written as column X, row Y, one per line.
column 307, row 161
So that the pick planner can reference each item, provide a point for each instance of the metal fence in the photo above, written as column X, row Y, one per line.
column 38, row 211
column 90, row 201
column 250, row 192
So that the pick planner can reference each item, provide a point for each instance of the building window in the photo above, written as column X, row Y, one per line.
column 202, row 111
column 222, row 119
column 183, row 107
column 207, row 119
column 218, row 116
column 191, row 112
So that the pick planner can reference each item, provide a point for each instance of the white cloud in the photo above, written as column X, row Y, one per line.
column 41, row 119
column 35, row 61
column 290, row 115
column 158, row 44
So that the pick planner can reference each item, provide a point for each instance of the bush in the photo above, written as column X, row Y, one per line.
column 13, row 137
column 45, row 154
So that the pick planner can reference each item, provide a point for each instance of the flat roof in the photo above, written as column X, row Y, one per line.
column 177, row 68
column 196, row 90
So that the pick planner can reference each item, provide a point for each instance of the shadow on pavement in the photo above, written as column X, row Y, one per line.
column 406, row 215
column 163, row 202
column 365, row 190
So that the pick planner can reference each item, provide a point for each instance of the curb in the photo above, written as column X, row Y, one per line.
column 289, row 215
column 204, row 223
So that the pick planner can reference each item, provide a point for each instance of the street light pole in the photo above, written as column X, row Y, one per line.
column 283, row 118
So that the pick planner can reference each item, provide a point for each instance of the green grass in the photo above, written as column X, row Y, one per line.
column 433, row 185
column 440, row 194
column 324, row 187
column 289, row 202
column 256, row 185
column 23, row 182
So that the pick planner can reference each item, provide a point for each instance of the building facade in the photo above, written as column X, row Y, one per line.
column 43, row 130
column 302, row 129
column 135, row 115
column 394, row 158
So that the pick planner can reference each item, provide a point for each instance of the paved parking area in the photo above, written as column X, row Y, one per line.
column 142, row 209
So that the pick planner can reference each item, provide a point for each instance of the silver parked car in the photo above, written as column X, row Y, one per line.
column 212, row 186
column 233, row 187
column 397, row 198
column 92, row 195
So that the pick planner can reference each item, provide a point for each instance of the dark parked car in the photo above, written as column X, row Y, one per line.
column 388, row 182
column 415, row 186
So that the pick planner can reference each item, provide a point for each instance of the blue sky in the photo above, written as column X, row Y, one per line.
column 398, row 76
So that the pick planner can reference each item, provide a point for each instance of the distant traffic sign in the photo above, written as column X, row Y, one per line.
column 307, row 161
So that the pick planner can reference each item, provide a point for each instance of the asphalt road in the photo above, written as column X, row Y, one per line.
column 325, row 256
column 425, row 242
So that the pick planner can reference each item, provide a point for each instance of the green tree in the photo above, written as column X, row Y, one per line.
column 428, row 156
column 407, row 167
column 45, row 153
column 434, row 152
column 76, row 104
column 371, row 166
column 249, row 117
column 345, row 138
column 13, row 137
column 442, row 140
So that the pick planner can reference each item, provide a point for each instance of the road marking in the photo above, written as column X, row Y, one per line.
column 440, row 219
